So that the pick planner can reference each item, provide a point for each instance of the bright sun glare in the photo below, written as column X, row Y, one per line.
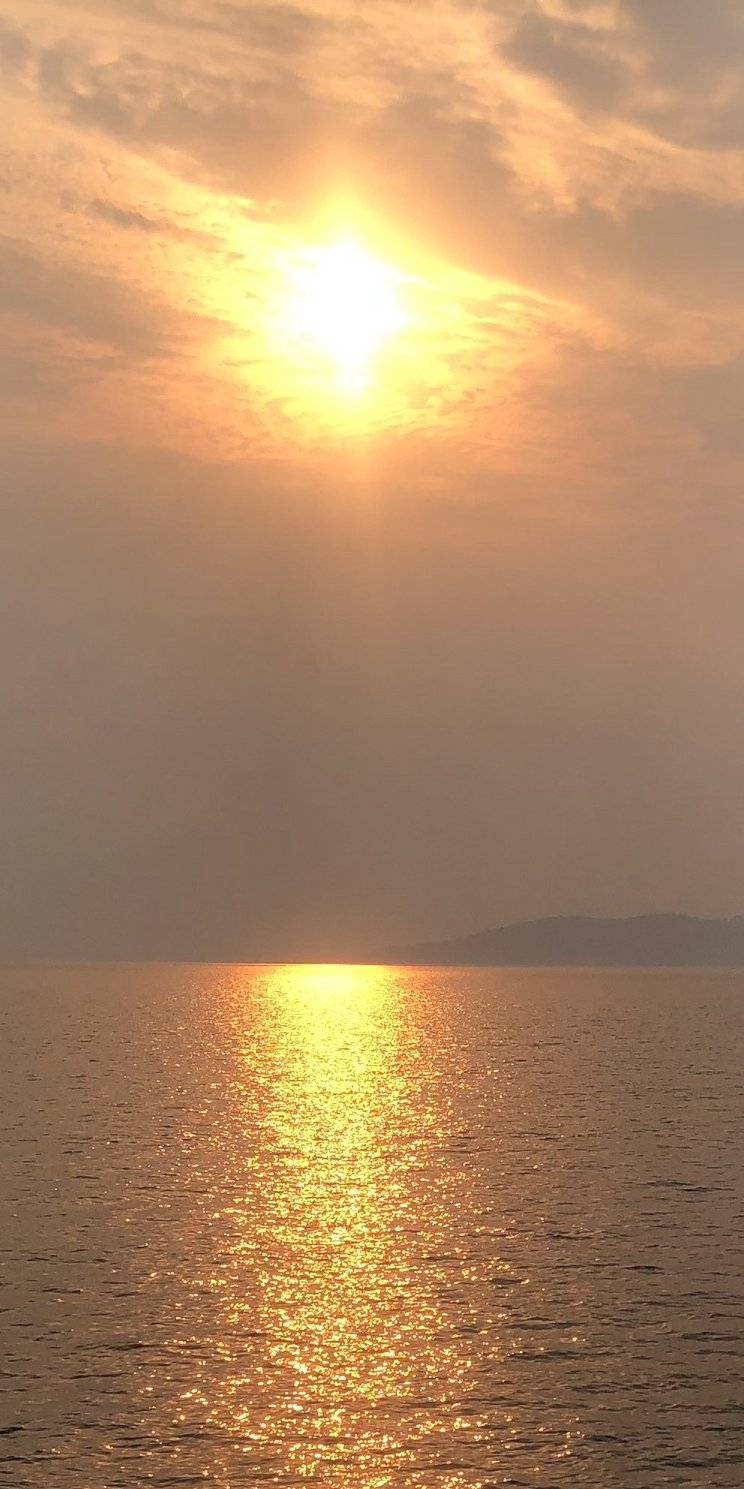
column 347, row 304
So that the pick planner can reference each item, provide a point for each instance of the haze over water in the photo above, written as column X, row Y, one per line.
column 367, row 1227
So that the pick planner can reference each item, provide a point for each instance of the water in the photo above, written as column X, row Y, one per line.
column 364, row 1227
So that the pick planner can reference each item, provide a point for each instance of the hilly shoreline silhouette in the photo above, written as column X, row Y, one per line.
column 585, row 940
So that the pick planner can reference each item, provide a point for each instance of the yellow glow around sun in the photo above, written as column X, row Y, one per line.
column 347, row 304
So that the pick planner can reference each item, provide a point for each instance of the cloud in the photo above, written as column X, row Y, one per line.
column 274, row 137
column 285, row 30
column 23, row 377
column 577, row 58
column 95, row 307
column 16, row 49
column 691, row 61
column 710, row 399
column 686, row 42
column 672, row 66
column 431, row 151
column 431, row 159
column 132, row 220
column 556, row 189
column 259, row 136
column 125, row 217
column 670, row 246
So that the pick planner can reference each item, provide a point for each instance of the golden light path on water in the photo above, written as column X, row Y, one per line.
column 347, row 1328
column 354, row 1264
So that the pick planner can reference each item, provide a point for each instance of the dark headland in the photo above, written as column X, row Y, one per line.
column 583, row 941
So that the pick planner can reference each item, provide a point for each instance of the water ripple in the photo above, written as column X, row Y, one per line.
column 363, row 1227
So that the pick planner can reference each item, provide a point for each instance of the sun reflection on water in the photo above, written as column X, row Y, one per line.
column 345, row 1343
column 353, row 1240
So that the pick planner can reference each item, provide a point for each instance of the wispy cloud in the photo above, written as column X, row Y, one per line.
column 586, row 153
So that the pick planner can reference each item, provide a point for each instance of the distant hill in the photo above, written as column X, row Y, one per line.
column 583, row 941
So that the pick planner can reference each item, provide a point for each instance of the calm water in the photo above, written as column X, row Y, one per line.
column 363, row 1227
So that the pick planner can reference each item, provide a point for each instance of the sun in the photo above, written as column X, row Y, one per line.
column 347, row 304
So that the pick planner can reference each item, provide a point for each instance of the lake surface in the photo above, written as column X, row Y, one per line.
column 365, row 1227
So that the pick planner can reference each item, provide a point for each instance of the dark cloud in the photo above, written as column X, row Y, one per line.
column 24, row 377
column 576, row 58
column 131, row 220
column 676, row 66
column 272, row 138
column 15, row 47
column 702, row 127
column 284, row 30
column 124, row 217
column 257, row 136
column 685, row 41
column 709, row 399
column 96, row 307
column 677, row 426
column 438, row 169
column 692, row 69
column 672, row 246
column 681, row 245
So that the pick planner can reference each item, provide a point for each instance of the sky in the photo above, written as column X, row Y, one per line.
column 319, row 634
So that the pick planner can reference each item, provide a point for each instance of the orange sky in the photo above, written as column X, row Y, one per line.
column 564, row 180
column 557, row 190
